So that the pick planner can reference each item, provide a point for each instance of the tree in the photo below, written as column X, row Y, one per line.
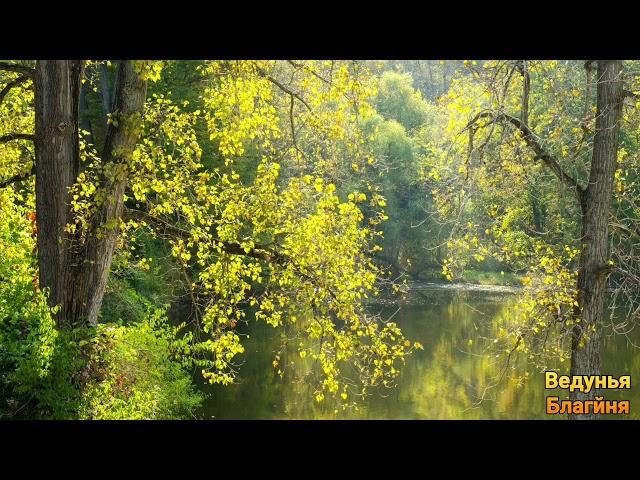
column 287, row 246
column 74, row 269
column 595, row 205
column 593, row 196
column 400, row 137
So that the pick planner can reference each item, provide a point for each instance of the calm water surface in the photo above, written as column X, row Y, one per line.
column 448, row 380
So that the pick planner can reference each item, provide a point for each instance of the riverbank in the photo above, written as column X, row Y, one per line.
column 467, row 287
column 470, row 277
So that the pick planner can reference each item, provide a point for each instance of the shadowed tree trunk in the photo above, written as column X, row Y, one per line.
column 107, row 102
column 595, row 205
column 85, row 122
column 75, row 267
column 57, row 90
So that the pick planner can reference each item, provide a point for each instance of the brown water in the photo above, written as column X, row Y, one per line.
column 450, row 379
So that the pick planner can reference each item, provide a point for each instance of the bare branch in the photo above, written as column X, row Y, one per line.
column 284, row 88
column 310, row 70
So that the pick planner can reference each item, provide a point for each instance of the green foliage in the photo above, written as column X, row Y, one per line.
column 137, row 372
column 512, row 213
column 398, row 100
column 262, row 228
column 401, row 139
column 143, row 276
column 34, row 370
column 116, row 371
column 259, row 190
column 259, row 240
column 27, row 330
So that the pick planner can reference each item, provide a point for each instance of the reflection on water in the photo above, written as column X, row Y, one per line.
column 445, row 381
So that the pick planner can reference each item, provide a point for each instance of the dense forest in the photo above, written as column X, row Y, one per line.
column 153, row 214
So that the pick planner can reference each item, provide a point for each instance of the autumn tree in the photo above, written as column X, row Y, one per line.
column 504, row 112
column 292, row 247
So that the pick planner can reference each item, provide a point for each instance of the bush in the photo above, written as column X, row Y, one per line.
column 112, row 371
column 135, row 372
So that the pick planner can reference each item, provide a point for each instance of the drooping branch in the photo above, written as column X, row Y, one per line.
column 259, row 252
column 533, row 142
column 9, row 137
column 12, row 84
column 12, row 67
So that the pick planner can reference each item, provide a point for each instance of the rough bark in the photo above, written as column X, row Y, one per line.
column 57, row 85
column 75, row 268
column 92, row 256
column 523, row 67
column 595, row 205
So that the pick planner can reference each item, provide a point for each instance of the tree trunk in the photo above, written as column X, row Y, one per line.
column 536, row 212
column 85, row 122
column 432, row 87
column 107, row 102
column 57, row 89
column 93, row 256
column 76, row 267
column 595, row 203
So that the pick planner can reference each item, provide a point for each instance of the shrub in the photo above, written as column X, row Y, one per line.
column 136, row 372
column 112, row 371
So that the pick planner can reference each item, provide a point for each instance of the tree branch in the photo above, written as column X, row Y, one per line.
column 9, row 137
column 523, row 68
column 284, row 88
column 18, row 178
column 259, row 252
column 534, row 143
column 310, row 70
column 12, row 84
column 12, row 67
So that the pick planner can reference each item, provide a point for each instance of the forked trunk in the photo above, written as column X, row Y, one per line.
column 75, row 267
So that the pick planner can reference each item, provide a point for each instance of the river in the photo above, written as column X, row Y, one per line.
column 450, row 379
